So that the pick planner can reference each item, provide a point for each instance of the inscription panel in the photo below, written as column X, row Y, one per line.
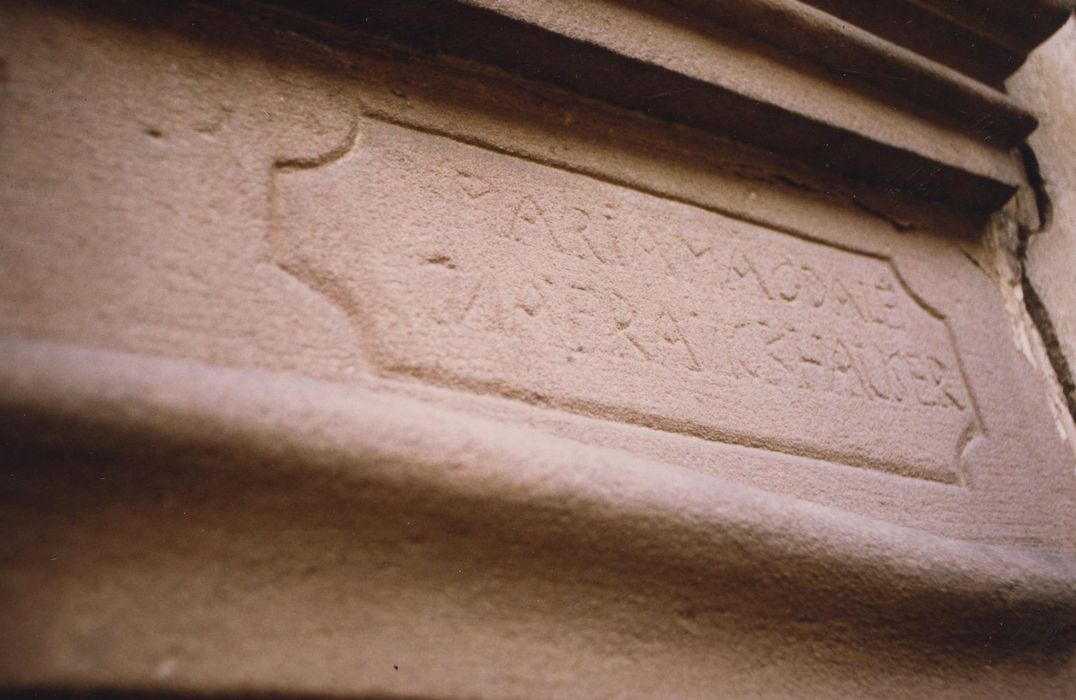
column 483, row 271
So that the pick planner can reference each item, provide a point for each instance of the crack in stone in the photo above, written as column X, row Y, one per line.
column 1038, row 312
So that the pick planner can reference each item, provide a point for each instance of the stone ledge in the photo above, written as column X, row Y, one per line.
column 241, row 425
column 1020, row 26
column 855, row 55
column 949, row 143
column 985, row 39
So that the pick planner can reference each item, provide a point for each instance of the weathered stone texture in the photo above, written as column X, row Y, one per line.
column 1046, row 83
column 364, row 370
column 469, row 268
column 258, row 212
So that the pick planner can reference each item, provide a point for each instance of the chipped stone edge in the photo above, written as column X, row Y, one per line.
column 1006, row 239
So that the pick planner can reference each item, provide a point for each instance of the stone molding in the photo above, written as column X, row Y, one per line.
column 987, row 39
column 97, row 415
column 744, row 413
column 779, row 74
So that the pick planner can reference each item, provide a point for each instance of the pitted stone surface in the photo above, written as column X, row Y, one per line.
column 224, row 215
column 1046, row 83
column 257, row 439
column 481, row 270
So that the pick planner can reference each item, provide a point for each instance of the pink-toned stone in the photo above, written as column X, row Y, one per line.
column 210, row 212
column 477, row 270
column 373, row 373
column 1051, row 253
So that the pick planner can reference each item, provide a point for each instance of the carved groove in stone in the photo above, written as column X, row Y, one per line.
column 489, row 273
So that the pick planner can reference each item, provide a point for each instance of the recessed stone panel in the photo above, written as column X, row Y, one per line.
column 486, row 272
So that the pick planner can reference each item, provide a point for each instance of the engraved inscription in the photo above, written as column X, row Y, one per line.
column 487, row 272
